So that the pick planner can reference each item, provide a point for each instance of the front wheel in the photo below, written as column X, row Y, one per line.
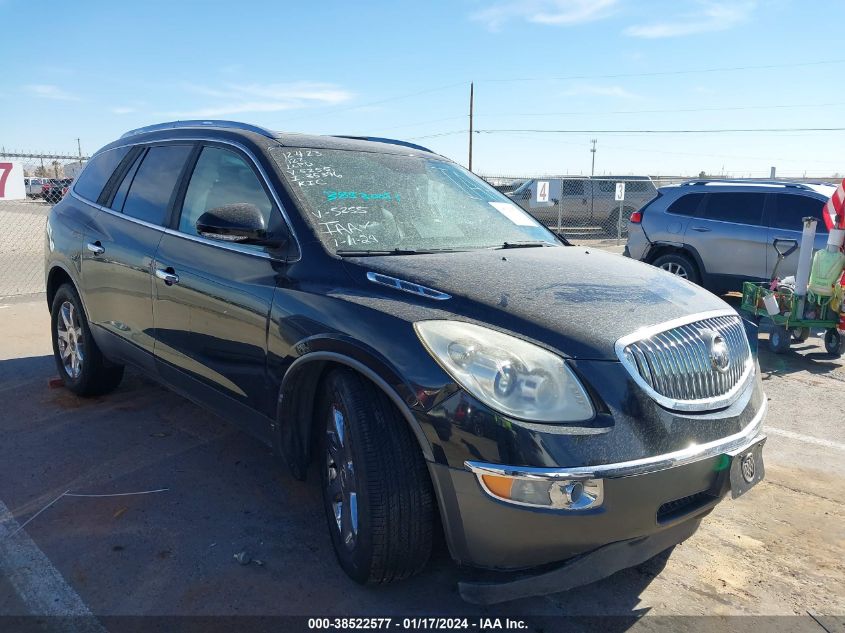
column 376, row 488
column 81, row 365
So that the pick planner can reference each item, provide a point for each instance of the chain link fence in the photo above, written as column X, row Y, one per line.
column 46, row 179
column 582, row 209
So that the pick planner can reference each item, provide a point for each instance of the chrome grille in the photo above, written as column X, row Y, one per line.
column 673, row 361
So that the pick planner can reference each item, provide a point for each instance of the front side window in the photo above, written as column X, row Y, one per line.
column 787, row 211
column 221, row 177
column 364, row 201
column 153, row 183
column 738, row 207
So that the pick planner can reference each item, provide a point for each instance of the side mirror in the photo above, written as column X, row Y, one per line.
column 241, row 222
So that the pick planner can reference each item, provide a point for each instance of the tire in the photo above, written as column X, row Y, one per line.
column 371, row 463
column 679, row 265
column 610, row 223
column 833, row 342
column 800, row 334
column 90, row 374
column 779, row 339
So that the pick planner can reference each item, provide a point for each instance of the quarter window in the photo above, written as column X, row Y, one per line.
column 738, row 207
column 686, row 205
column 153, row 183
column 221, row 177
column 787, row 211
column 99, row 169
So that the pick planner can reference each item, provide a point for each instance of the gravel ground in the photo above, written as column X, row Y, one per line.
column 779, row 550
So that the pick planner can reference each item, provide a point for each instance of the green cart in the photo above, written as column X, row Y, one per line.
column 786, row 326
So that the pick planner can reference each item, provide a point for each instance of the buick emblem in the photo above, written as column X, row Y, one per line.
column 720, row 356
column 748, row 468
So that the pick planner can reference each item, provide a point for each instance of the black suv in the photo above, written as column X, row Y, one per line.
column 371, row 306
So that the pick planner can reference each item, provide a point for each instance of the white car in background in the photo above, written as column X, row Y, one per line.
column 33, row 186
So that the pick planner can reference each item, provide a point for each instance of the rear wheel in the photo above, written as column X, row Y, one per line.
column 376, row 488
column 82, row 366
column 610, row 227
column 800, row 334
column 679, row 265
column 779, row 339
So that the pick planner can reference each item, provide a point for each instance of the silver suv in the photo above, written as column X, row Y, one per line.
column 719, row 233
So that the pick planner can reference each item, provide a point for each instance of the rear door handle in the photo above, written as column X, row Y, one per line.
column 701, row 229
column 96, row 247
column 168, row 276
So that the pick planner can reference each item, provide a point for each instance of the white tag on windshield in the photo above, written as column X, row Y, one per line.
column 514, row 213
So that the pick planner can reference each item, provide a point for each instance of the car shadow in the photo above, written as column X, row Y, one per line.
column 225, row 492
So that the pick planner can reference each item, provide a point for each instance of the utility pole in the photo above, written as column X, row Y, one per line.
column 593, row 151
column 471, row 90
column 79, row 147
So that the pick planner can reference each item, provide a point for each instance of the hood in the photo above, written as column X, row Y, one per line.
column 576, row 300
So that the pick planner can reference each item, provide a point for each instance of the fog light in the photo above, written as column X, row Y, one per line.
column 581, row 494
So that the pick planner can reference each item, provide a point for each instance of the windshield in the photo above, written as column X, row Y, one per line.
column 362, row 201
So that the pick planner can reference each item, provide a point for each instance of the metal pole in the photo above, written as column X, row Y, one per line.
column 593, row 168
column 619, row 224
column 79, row 147
column 471, row 90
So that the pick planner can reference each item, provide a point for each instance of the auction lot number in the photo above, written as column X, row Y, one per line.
column 417, row 624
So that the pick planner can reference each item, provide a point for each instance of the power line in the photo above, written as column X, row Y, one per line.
column 690, row 131
column 608, row 112
column 663, row 73
column 702, row 131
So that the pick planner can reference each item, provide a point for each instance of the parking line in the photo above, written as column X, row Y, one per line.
column 36, row 581
column 805, row 438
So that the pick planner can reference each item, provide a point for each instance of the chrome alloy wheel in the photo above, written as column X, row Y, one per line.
column 340, row 482
column 675, row 269
column 69, row 337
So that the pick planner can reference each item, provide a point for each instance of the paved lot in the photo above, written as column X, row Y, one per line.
column 778, row 550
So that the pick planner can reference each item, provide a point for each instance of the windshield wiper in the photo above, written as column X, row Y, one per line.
column 522, row 244
column 349, row 252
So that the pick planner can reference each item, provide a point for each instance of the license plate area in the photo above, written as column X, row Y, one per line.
column 747, row 468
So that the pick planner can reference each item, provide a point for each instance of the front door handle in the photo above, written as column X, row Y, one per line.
column 96, row 247
column 168, row 276
column 701, row 229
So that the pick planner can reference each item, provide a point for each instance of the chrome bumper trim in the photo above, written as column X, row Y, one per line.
column 645, row 465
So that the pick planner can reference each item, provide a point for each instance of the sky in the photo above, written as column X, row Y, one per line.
column 597, row 69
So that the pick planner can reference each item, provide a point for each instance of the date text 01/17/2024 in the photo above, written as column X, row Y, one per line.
column 418, row 624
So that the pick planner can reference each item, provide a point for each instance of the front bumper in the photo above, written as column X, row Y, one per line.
column 641, row 498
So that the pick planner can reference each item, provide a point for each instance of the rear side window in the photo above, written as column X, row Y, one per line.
column 573, row 187
column 97, row 173
column 686, row 205
column 786, row 211
column 738, row 207
column 152, row 186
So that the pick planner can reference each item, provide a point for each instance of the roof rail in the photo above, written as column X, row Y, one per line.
column 198, row 123
column 744, row 181
column 389, row 141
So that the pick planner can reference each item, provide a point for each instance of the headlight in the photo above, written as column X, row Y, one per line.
column 510, row 375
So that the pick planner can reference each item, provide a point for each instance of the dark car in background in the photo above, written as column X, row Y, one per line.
column 54, row 189
column 374, row 308
column 719, row 233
